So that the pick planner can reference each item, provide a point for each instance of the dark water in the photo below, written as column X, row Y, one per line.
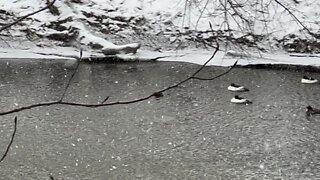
column 193, row 132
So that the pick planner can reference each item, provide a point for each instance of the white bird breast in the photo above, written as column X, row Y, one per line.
column 307, row 81
column 231, row 88
column 238, row 101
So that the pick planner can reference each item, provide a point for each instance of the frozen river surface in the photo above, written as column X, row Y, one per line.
column 192, row 132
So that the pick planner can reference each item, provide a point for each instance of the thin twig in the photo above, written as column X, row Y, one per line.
column 238, row 14
column 29, row 107
column 25, row 16
column 304, row 27
column 212, row 78
column 71, row 78
column 11, row 141
column 184, row 14
column 105, row 99
column 201, row 14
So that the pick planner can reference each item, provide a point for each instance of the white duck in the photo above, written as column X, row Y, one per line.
column 240, row 100
column 308, row 80
column 237, row 88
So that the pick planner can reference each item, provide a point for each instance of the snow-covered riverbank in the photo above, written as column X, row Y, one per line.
column 196, row 56
column 169, row 30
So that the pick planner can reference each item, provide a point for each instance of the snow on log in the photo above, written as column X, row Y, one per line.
column 121, row 49
column 107, row 47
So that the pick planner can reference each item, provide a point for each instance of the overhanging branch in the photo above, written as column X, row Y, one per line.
column 154, row 94
column 71, row 78
column 11, row 140
column 25, row 16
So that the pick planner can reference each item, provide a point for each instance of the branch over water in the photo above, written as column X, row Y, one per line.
column 96, row 105
column 11, row 140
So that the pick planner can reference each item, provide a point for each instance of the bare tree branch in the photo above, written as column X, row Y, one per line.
column 11, row 141
column 212, row 78
column 71, row 78
column 154, row 94
column 25, row 16
column 304, row 27
column 201, row 14
column 105, row 99
column 29, row 107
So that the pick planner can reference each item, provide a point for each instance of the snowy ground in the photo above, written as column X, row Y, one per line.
column 122, row 26
column 196, row 56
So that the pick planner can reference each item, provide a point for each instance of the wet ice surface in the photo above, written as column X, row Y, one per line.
column 193, row 132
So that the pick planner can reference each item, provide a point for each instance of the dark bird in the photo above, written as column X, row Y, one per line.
column 312, row 111
column 157, row 94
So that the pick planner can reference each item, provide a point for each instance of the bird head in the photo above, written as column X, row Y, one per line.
column 309, row 108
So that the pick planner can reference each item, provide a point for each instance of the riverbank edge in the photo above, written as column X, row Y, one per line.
column 278, row 61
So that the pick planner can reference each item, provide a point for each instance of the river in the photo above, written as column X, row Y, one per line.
column 192, row 132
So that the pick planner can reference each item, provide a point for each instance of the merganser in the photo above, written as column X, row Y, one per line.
column 237, row 88
column 308, row 80
column 240, row 100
